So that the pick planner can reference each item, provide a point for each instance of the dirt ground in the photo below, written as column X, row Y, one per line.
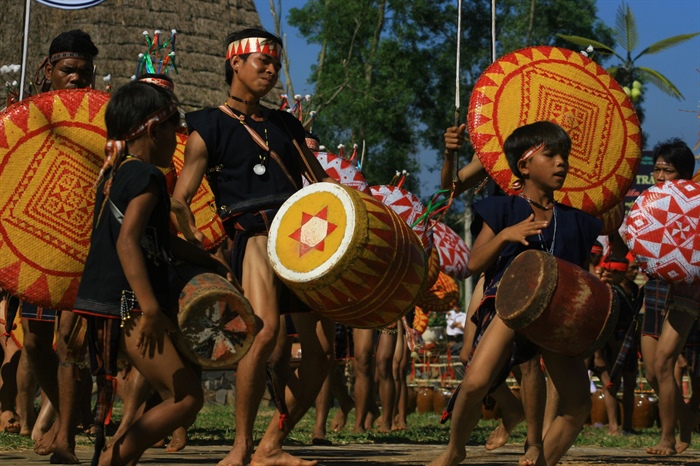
column 383, row 454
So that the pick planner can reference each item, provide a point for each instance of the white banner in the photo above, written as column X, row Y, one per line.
column 70, row 4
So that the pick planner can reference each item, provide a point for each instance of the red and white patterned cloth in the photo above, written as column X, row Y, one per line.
column 662, row 231
column 453, row 251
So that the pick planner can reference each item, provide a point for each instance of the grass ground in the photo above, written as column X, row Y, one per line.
column 214, row 426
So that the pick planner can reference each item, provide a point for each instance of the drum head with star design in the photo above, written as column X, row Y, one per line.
column 663, row 231
column 559, row 85
column 51, row 151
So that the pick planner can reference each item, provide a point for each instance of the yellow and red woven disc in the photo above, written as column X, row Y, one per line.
column 51, row 150
column 559, row 85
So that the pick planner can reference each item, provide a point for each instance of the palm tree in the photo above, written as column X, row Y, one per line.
column 627, row 73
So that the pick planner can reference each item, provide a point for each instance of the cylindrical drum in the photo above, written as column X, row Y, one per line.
column 347, row 255
column 216, row 322
column 556, row 304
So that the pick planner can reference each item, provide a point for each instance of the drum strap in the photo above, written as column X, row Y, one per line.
column 259, row 141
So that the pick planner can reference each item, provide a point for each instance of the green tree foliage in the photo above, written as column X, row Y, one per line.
column 386, row 70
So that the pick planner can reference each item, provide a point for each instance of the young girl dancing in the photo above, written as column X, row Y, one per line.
column 124, row 291
column 538, row 156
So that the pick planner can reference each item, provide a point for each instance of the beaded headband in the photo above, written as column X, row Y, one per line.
column 253, row 45
column 62, row 55
column 518, row 184
column 154, row 118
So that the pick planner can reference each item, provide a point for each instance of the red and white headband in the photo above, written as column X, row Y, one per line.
column 253, row 45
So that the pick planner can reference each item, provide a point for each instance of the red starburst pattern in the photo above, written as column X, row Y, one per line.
column 313, row 231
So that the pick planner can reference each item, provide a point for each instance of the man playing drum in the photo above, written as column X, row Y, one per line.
column 68, row 66
column 253, row 159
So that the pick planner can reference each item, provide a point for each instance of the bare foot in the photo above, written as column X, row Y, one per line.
column 45, row 444
column 178, row 441
column 159, row 444
column 449, row 458
column 277, row 457
column 359, row 430
column 532, row 453
column 662, row 448
column 687, row 421
column 238, row 456
column 498, row 437
column 399, row 425
column 500, row 434
column 61, row 456
column 616, row 432
column 339, row 420
column 369, row 420
column 10, row 422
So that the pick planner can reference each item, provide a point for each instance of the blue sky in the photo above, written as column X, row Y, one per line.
column 666, row 117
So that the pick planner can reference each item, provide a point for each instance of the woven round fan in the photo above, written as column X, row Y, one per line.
column 51, row 151
column 203, row 205
column 613, row 218
column 453, row 251
column 442, row 296
column 663, row 231
column 420, row 320
column 559, row 85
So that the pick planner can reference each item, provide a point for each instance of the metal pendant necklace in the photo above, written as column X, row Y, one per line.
column 554, row 234
column 259, row 168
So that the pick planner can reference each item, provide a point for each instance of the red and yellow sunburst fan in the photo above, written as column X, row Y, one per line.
column 203, row 205
column 51, row 151
column 559, row 85
column 420, row 320
column 442, row 296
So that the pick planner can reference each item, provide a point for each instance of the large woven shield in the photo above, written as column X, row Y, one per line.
column 51, row 151
column 559, row 85
column 663, row 233
column 203, row 205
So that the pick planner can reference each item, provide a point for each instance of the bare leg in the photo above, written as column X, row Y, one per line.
column 673, row 334
column 261, row 289
column 364, row 391
column 38, row 343
column 399, row 367
column 26, row 394
column 316, row 335
column 323, row 406
column 44, row 420
column 571, row 381
column 512, row 415
column 387, row 388
column 64, row 448
column 491, row 354
column 178, row 386
column 10, row 421
column 134, row 392
column 533, row 397
column 340, row 392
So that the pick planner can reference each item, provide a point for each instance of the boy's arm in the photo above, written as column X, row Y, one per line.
column 488, row 245
column 188, row 182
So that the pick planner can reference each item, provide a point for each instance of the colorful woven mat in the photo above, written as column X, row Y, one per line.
column 453, row 251
column 342, row 171
column 51, row 150
column 203, row 205
column 663, row 232
column 559, row 85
